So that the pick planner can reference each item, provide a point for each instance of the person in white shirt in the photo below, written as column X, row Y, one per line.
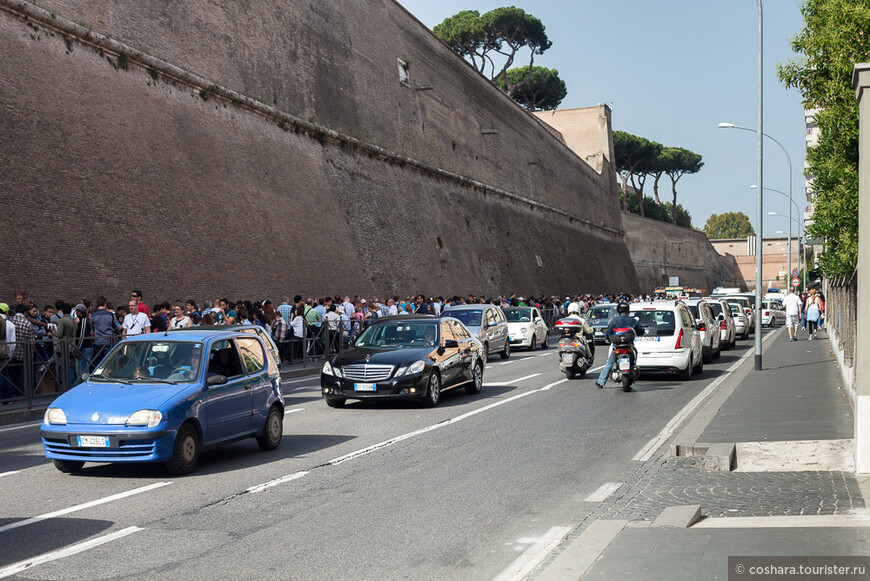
column 792, row 304
column 135, row 323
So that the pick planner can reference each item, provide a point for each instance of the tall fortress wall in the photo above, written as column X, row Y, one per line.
column 226, row 147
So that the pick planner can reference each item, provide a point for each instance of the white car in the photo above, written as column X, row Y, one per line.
column 741, row 321
column 727, row 328
column 526, row 328
column 671, row 341
column 709, row 327
column 748, row 305
column 772, row 314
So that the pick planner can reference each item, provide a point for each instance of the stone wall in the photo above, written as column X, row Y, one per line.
column 214, row 147
column 660, row 250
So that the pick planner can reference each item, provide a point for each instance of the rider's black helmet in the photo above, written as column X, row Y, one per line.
column 622, row 308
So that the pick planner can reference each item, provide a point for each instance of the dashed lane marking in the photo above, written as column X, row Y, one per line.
column 603, row 493
column 277, row 481
column 21, row 427
column 79, row 507
column 513, row 381
column 10, row 473
column 16, row 568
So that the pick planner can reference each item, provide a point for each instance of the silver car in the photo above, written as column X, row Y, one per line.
column 487, row 323
column 727, row 328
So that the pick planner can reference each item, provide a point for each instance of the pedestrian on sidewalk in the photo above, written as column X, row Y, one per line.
column 793, row 310
column 814, row 313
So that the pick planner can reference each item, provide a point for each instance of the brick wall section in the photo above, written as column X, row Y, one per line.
column 113, row 180
column 660, row 250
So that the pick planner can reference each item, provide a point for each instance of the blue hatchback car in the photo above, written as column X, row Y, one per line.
column 164, row 397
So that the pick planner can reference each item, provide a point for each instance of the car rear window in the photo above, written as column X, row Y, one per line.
column 469, row 317
column 656, row 323
column 694, row 309
column 716, row 308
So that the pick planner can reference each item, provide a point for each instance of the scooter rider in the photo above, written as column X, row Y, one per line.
column 585, row 329
column 619, row 321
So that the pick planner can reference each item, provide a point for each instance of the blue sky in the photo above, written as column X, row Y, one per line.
column 673, row 70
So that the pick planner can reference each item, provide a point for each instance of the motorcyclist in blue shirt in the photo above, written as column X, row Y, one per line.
column 621, row 320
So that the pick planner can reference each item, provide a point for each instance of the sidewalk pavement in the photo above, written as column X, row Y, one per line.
column 786, row 433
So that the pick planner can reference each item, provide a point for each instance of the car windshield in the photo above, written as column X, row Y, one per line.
column 151, row 362
column 400, row 334
column 517, row 315
column 694, row 309
column 656, row 323
column 469, row 317
column 599, row 314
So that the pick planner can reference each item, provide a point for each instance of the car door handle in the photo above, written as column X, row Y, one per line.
column 252, row 385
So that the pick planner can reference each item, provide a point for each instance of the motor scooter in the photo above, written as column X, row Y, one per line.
column 624, row 357
column 575, row 358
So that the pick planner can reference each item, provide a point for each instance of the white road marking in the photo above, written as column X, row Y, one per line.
column 534, row 555
column 307, row 387
column 10, row 473
column 294, row 410
column 508, row 362
column 20, row 427
column 511, row 382
column 604, row 491
column 277, row 481
column 670, row 429
column 79, row 507
column 555, row 383
column 312, row 377
column 16, row 568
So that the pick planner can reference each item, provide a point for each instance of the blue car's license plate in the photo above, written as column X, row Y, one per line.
column 92, row 441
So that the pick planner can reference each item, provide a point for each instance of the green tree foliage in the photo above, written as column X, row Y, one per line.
column 677, row 162
column 543, row 91
column 634, row 158
column 502, row 31
column 656, row 210
column 836, row 35
column 728, row 225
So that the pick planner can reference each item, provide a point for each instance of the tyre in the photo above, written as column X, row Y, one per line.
column 273, row 429
column 581, row 369
column 707, row 356
column 68, row 466
column 545, row 344
column 507, row 350
column 733, row 343
column 185, row 453
column 335, row 402
column 433, row 390
column 699, row 368
column 570, row 373
column 626, row 382
column 485, row 352
column 718, row 352
column 686, row 374
column 476, row 379
column 534, row 344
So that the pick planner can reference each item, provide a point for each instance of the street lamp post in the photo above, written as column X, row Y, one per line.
column 792, row 203
column 759, row 202
column 801, row 233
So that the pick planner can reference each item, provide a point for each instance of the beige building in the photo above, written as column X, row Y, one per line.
column 774, row 260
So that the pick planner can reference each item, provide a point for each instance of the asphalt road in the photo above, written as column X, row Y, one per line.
column 472, row 489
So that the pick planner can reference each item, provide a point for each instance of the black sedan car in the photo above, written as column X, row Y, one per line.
column 405, row 357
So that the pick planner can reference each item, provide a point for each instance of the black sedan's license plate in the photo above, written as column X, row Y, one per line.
column 364, row 387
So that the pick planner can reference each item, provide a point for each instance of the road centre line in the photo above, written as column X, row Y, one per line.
column 16, row 568
column 500, row 383
column 277, row 481
column 670, row 429
column 79, row 507
column 2, row 474
column 21, row 427
column 603, row 493
column 534, row 555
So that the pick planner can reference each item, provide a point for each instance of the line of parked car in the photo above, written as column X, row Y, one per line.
column 165, row 397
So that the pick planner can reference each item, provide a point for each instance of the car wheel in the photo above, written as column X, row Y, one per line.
column 68, row 466
column 534, row 344
column 507, row 350
column 545, row 344
column 433, row 391
column 733, row 342
column 273, row 429
column 718, row 352
column 699, row 368
column 476, row 379
column 686, row 374
column 185, row 453
column 335, row 402
column 707, row 356
column 486, row 352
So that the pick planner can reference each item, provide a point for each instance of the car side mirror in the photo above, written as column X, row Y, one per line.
column 85, row 376
column 216, row 380
column 721, row 317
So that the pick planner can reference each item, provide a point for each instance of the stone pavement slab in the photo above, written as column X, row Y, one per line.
column 695, row 554
column 797, row 396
